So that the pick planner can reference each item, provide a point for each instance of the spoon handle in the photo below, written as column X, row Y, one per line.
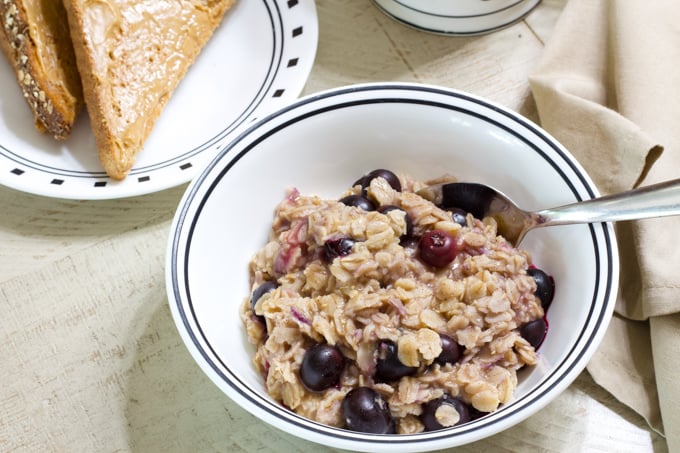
column 656, row 200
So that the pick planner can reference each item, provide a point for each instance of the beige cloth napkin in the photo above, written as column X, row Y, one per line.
column 608, row 88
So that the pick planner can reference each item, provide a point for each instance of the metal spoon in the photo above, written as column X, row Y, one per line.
column 656, row 200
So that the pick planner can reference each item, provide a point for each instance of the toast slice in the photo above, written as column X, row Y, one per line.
column 35, row 39
column 131, row 55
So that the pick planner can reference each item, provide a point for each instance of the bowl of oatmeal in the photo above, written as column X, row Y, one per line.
column 318, row 285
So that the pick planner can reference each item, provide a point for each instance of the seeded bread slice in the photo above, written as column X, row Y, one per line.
column 35, row 39
column 131, row 55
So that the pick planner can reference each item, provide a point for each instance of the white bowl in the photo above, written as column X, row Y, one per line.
column 323, row 143
column 457, row 17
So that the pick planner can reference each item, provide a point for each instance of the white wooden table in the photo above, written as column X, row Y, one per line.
column 90, row 359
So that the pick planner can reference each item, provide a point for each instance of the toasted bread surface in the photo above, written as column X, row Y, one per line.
column 131, row 55
column 35, row 39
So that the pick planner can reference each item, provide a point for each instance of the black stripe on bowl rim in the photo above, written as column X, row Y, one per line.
column 572, row 361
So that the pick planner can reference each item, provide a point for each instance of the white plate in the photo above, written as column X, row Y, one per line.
column 257, row 61
column 457, row 17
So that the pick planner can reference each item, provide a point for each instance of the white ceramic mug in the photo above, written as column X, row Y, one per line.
column 457, row 17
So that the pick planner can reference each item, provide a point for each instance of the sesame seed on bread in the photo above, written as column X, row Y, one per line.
column 35, row 39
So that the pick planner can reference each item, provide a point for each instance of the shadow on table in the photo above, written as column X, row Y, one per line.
column 173, row 407
column 32, row 215
column 36, row 231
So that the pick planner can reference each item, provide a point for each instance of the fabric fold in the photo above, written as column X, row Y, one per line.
column 608, row 88
column 576, row 95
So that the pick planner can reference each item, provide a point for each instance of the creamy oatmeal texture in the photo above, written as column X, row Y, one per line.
column 378, row 293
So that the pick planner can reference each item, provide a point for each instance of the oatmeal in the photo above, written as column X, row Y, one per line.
column 382, row 300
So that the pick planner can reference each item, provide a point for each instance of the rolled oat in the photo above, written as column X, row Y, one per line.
column 382, row 291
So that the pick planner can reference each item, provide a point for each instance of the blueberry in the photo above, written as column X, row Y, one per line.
column 437, row 248
column 458, row 215
column 365, row 410
column 451, row 351
column 391, row 178
column 358, row 201
column 410, row 242
column 476, row 413
column 260, row 291
column 387, row 175
column 363, row 182
column 545, row 286
column 534, row 332
column 321, row 367
column 407, row 218
column 334, row 248
column 444, row 412
column 388, row 366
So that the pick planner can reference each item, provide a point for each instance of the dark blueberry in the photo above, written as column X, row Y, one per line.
column 391, row 178
column 358, row 201
column 321, row 367
column 260, row 291
column 444, row 412
column 407, row 218
column 365, row 410
column 410, row 242
column 534, row 332
column 475, row 413
column 388, row 366
column 459, row 216
column 545, row 286
column 451, row 351
column 334, row 248
column 437, row 248
column 363, row 182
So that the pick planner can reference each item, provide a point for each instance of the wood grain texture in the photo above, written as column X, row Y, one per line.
column 91, row 360
column 35, row 231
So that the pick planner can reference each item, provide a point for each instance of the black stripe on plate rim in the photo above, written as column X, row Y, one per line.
column 566, row 366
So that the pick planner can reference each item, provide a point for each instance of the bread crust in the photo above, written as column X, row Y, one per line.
column 126, row 68
column 47, row 75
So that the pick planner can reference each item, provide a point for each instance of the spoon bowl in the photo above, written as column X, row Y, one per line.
column 656, row 200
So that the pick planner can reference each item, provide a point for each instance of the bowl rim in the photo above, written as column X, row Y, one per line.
column 195, row 198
